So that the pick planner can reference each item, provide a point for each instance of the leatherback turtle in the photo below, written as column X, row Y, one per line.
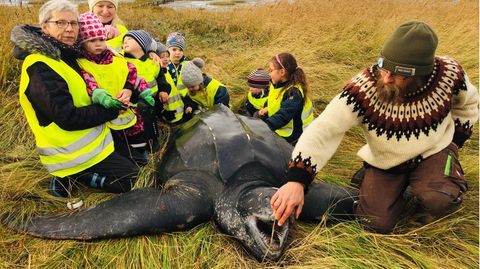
column 219, row 164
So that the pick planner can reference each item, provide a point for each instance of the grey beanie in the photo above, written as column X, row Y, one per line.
column 192, row 72
column 410, row 50
column 161, row 48
column 199, row 62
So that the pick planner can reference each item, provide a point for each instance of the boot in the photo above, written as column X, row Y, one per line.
column 60, row 187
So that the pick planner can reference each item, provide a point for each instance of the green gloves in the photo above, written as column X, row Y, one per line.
column 100, row 96
column 147, row 96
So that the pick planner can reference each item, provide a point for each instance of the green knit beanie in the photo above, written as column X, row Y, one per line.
column 410, row 50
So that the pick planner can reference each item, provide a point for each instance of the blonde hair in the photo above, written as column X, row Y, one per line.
column 116, row 20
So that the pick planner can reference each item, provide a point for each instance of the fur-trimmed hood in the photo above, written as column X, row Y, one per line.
column 28, row 39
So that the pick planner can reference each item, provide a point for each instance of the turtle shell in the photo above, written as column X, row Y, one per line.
column 221, row 142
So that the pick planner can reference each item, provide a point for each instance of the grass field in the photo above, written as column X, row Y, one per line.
column 332, row 41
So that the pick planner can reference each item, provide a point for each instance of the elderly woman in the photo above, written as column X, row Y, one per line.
column 70, row 132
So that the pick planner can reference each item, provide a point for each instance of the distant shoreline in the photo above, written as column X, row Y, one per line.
column 175, row 4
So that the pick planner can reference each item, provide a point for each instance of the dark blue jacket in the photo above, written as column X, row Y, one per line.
column 290, row 108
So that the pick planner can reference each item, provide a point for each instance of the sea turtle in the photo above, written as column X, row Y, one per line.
column 219, row 164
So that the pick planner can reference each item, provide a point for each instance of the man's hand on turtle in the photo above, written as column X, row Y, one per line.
column 287, row 199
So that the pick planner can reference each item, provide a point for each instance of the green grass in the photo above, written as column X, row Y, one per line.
column 332, row 41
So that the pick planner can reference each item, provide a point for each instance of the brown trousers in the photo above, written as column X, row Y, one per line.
column 437, row 184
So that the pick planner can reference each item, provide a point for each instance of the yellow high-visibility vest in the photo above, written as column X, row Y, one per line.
column 257, row 103
column 117, row 42
column 175, row 102
column 148, row 70
column 206, row 99
column 111, row 77
column 275, row 97
column 180, row 87
column 63, row 152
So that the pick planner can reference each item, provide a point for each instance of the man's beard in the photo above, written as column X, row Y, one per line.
column 393, row 93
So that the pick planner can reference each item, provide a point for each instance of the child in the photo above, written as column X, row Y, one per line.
column 259, row 82
column 108, row 75
column 136, row 44
column 203, row 91
column 169, row 109
column 163, row 54
column 288, row 110
column 176, row 47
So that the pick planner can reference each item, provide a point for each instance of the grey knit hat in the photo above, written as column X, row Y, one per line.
column 142, row 37
column 161, row 48
column 192, row 72
column 410, row 50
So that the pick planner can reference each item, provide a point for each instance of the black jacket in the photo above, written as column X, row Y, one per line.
column 47, row 91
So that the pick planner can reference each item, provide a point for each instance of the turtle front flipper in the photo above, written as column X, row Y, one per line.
column 185, row 202
column 325, row 198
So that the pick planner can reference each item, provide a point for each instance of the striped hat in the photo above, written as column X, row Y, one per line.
column 90, row 28
column 176, row 39
column 142, row 37
column 258, row 78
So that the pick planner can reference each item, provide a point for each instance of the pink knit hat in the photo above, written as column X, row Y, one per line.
column 90, row 28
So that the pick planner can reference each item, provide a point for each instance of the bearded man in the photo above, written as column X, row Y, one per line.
column 416, row 110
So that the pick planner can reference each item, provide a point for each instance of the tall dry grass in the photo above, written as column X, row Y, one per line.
column 332, row 41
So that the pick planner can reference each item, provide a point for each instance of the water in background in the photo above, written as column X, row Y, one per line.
column 212, row 4
column 177, row 4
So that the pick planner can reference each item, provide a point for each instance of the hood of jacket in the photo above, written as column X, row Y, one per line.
column 29, row 39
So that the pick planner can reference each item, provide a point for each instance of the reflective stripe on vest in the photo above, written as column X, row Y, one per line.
column 117, row 42
column 123, row 121
column 179, row 85
column 307, row 113
column 148, row 70
column 77, row 145
column 64, row 152
column 275, row 97
column 257, row 103
column 152, row 84
column 111, row 77
column 79, row 160
column 175, row 101
column 207, row 97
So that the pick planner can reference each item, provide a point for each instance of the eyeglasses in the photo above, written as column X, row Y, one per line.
column 384, row 72
column 64, row 24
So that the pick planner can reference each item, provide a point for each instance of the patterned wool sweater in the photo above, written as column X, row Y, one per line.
column 442, row 111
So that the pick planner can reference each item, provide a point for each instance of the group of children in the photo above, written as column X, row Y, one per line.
column 172, row 89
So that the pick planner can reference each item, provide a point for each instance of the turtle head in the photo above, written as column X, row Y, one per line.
column 248, row 216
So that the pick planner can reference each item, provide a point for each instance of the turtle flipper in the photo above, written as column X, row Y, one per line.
column 184, row 203
column 323, row 198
